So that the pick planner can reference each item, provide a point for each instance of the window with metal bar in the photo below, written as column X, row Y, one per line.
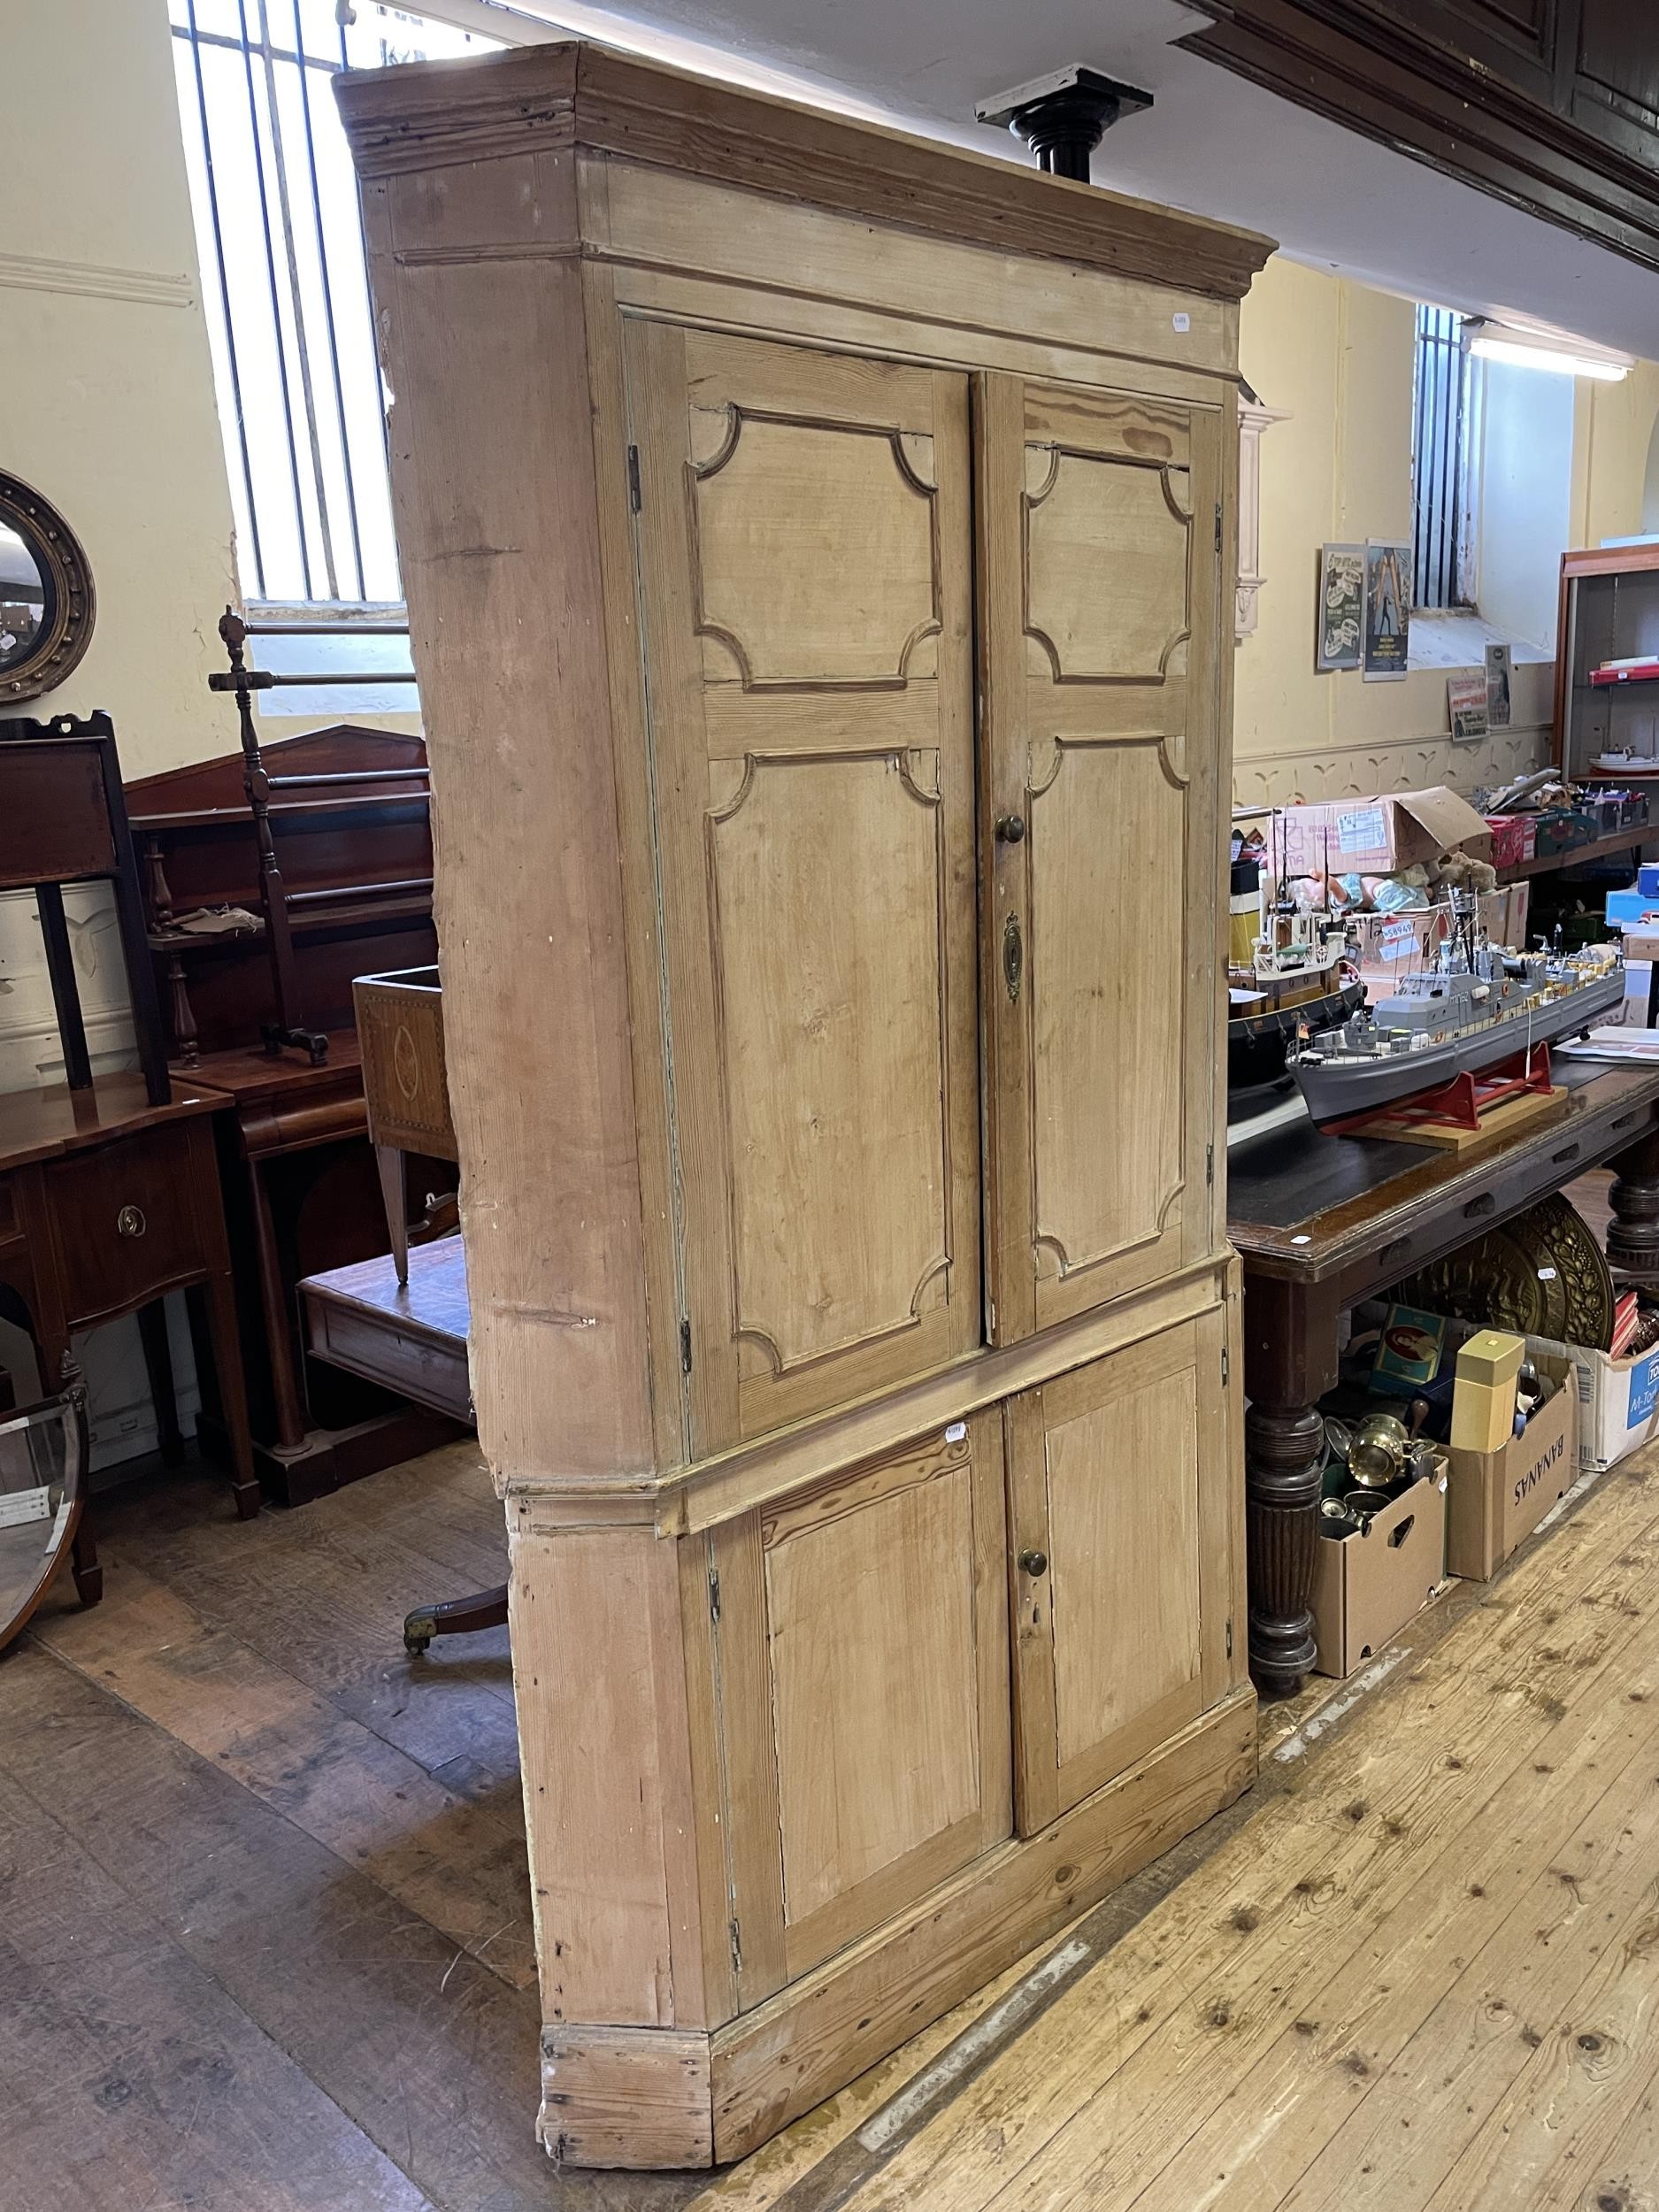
column 1440, row 444
column 285, row 285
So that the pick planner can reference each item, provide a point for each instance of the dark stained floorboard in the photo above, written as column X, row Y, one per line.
column 263, row 1914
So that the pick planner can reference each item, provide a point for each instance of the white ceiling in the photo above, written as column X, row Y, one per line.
column 1212, row 142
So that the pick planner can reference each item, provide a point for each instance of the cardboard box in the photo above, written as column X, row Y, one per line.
column 1390, row 945
column 1514, row 838
column 1368, row 1585
column 1499, row 1497
column 1619, row 1404
column 1377, row 837
column 1520, row 898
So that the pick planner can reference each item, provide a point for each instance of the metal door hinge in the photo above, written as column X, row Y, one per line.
column 1229, row 1640
column 633, row 482
column 1226, row 1366
column 714, row 1594
column 737, row 1945
column 685, row 1347
column 1209, row 1164
column 1218, row 522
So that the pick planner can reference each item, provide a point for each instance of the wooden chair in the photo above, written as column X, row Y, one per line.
column 62, row 819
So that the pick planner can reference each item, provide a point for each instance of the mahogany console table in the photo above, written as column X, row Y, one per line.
column 108, row 1200
column 1322, row 1222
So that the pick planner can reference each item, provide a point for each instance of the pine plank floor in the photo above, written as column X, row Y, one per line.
column 264, row 1941
column 1420, row 1975
column 264, row 1932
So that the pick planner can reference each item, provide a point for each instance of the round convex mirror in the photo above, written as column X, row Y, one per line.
column 46, row 600
column 23, row 589
column 42, row 1494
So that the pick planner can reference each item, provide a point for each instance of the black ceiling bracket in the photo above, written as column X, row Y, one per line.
column 1063, row 117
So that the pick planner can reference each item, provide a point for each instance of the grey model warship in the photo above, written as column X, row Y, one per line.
column 1477, row 1005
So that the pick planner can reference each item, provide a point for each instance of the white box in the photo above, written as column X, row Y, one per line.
column 1619, row 1404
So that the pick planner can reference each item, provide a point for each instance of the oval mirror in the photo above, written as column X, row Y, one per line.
column 42, row 1495
column 46, row 602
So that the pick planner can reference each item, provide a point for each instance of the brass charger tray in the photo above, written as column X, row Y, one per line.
column 1541, row 1274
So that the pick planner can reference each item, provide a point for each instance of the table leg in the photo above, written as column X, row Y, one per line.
column 278, row 1336
column 1289, row 1361
column 1632, row 1234
column 395, row 1195
column 153, row 1335
column 214, row 1302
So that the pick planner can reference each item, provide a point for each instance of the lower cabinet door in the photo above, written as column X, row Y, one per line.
column 862, row 1672
column 1120, row 1567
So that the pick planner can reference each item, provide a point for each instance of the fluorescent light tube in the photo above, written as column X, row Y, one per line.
column 1524, row 356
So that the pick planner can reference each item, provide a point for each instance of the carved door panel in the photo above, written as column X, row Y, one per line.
column 862, row 1656
column 803, row 541
column 1118, row 1478
column 1100, row 523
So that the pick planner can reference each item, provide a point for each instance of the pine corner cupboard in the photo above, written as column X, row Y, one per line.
column 818, row 547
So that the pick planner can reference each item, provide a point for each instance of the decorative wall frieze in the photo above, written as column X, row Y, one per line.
column 1406, row 764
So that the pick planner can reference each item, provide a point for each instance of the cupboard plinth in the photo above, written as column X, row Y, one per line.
column 818, row 548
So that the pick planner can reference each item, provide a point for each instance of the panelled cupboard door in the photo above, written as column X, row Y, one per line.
column 1100, row 523
column 1119, row 1483
column 861, row 1652
column 805, row 545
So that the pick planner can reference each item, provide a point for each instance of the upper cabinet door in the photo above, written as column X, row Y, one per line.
column 803, row 541
column 1100, row 523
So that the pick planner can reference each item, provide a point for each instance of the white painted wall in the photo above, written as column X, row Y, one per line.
column 1525, row 509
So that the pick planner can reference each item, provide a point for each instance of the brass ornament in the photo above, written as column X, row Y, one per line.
column 1540, row 1274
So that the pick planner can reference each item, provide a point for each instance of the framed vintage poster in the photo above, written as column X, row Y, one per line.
column 1387, row 608
column 1341, row 614
column 1466, row 707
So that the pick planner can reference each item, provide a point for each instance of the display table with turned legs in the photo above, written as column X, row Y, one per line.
column 1322, row 1223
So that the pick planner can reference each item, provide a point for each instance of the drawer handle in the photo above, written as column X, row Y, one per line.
column 1033, row 1563
column 1560, row 1159
column 130, row 1221
column 1483, row 1204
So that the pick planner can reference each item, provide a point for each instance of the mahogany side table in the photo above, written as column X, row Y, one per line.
column 1322, row 1222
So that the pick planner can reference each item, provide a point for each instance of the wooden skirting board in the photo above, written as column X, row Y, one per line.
column 667, row 2097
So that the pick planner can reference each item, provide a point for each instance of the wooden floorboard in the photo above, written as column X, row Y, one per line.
column 264, row 1930
column 264, row 1937
column 1370, row 1979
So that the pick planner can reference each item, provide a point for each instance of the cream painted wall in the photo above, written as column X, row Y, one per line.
column 103, row 360
column 1614, row 429
column 1338, row 358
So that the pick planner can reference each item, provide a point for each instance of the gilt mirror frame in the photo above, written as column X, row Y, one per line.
column 69, row 603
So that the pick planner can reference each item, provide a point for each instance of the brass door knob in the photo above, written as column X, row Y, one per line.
column 1010, row 827
column 130, row 1221
column 1033, row 1563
